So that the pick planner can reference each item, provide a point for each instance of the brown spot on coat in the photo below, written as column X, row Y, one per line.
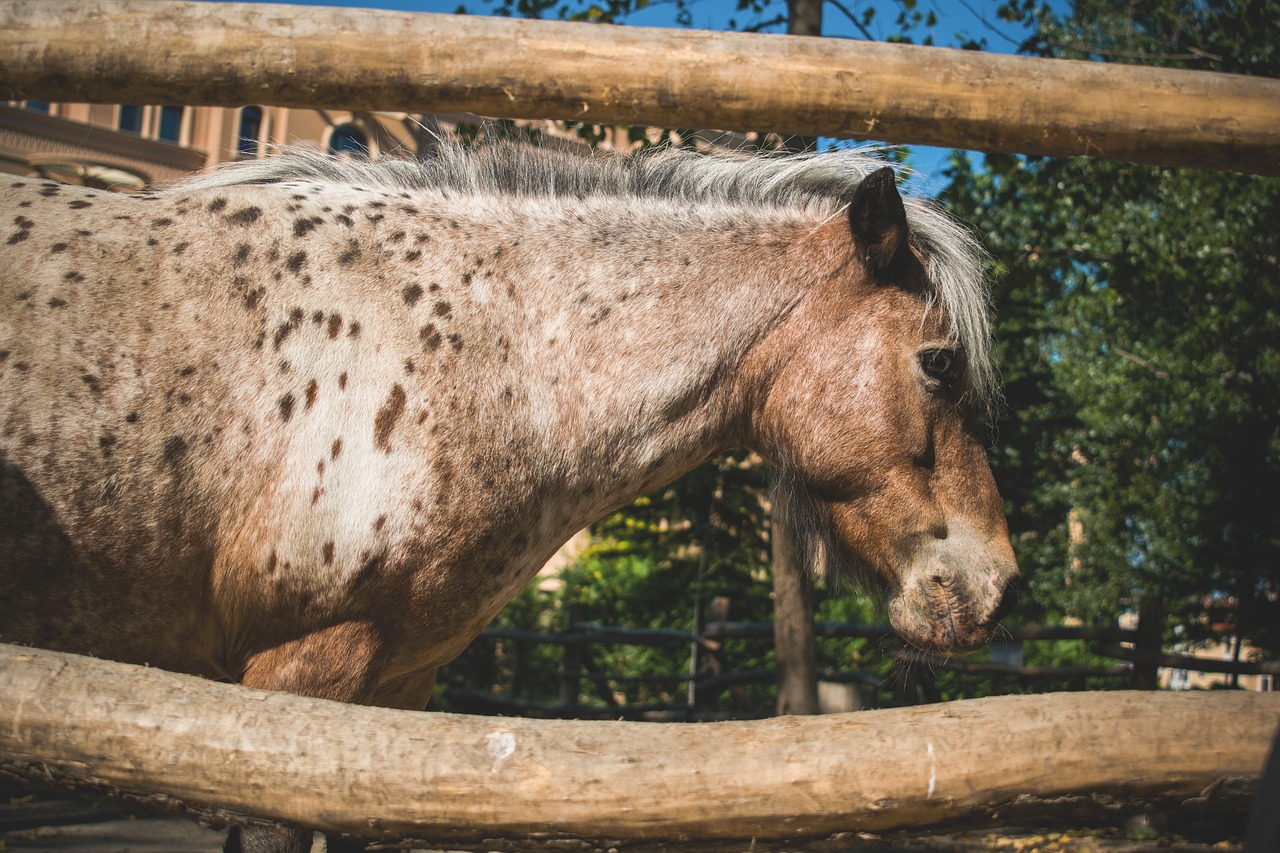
column 286, row 407
column 241, row 255
column 79, row 204
column 412, row 294
column 385, row 421
column 327, row 553
column 303, row 225
column 282, row 333
column 335, row 325
column 245, row 216
column 296, row 260
column 175, row 447
column 312, row 388
column 336, row 449
column 216, row 205
column 350, row 254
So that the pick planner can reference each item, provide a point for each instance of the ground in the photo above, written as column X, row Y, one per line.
column 31, row 821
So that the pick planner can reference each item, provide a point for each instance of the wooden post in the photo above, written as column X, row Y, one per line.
column 228, row 752
column 231, row 54
column 1150, row 634
column 571, row 663
column 519, row 667
column 793, row 626
column 717, row 611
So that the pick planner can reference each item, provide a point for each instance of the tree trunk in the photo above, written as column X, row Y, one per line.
column 804, row 18
column 793, row 638
column 227, row 752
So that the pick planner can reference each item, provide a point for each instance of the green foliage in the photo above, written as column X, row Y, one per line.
column 659, row 562
column 1139, row 326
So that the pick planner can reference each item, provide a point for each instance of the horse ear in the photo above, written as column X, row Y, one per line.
column 878, row 220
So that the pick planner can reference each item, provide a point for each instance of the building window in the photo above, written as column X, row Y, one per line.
column 348, row 139
column 170, row 128
column 130, row 119
column 247, row 142
column 37, row 106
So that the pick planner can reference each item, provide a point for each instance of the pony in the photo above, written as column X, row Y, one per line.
column 306, row 424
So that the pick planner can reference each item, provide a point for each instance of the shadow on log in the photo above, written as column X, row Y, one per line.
column 227, row 754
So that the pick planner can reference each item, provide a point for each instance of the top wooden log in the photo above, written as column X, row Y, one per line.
column 231, row 54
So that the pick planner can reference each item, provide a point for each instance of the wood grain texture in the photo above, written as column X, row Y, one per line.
column 235, row 54
column 369, row 771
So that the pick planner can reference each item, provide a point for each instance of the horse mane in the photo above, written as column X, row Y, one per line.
column 817, row 185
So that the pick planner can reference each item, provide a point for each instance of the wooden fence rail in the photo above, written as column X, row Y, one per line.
column 232, row 54
column 232, row 754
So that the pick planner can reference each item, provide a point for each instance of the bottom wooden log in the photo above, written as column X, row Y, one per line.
column 227, row 753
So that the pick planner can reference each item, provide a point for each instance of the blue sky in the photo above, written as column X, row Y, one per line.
column 957, row 21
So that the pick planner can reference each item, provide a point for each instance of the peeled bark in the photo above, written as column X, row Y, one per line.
column 231, row 54
column 229, row 752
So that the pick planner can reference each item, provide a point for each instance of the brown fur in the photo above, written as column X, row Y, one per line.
column 312, row 436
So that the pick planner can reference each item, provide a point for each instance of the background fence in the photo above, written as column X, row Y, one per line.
column 506, row 671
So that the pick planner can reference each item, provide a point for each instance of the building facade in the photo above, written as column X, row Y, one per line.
column 130, row 147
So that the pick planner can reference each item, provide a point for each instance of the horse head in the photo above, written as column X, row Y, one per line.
column 871, row 405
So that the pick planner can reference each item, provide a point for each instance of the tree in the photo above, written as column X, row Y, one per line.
column 1139, row 326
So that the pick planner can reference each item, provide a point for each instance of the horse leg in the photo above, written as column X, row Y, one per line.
column 339, row 662
column 408, row 694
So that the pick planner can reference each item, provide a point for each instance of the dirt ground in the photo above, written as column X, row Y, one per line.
column 38, row 821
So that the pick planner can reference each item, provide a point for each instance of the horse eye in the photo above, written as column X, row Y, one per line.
column 939, row 364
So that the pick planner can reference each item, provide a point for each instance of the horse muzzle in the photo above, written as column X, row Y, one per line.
column 954, row 594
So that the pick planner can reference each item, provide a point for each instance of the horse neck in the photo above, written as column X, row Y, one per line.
column 634, row 332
